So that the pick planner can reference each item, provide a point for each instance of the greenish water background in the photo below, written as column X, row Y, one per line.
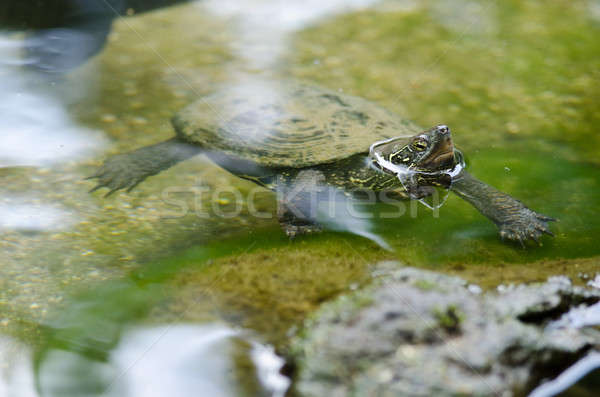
column 518, row 83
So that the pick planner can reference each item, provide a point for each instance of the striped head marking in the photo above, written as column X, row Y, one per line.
column 431, row 150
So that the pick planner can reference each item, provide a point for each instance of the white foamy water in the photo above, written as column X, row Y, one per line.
column 16, row 369
column 268, row 366
column 285, row 15
column 33, row 217
column 36, row 129
column 173, row 360
column 264, row 26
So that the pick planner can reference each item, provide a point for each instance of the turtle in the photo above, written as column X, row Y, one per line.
column 292, row 136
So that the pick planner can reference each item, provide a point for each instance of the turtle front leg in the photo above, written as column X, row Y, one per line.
column 515, row 221
column 127, row 170
column 524, row 224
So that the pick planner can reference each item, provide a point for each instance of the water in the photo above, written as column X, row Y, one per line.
column 87, row 283
column 183, row 359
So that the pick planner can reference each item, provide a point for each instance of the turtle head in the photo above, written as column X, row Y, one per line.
column 431, row 150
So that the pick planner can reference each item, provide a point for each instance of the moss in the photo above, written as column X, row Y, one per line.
column 449, row 318
column 580, row 271
column 271, row 290
column 424, row 285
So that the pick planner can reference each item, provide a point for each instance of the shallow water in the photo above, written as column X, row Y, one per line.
column 517, row 83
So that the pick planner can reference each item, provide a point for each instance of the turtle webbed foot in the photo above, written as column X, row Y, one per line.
column 526, row 225
column 118, row 172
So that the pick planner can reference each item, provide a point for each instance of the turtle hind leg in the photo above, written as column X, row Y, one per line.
column 298, row 199
column 294, row 226
column 127, row 170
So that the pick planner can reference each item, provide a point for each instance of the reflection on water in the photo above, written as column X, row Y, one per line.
column 62, row 35
column 586, row 367
column 345, row 214
column 268, row 366
column 36, row 128
column 580, row 317
column 174, row 360
column 264, row 26
column 16, row 370
column 25, row 214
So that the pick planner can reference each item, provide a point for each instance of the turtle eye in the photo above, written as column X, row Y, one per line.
column 420, row 145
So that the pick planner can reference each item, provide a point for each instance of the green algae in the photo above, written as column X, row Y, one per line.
column 563, row 190
column 449, row 318
column 272, row 289
column 425, row 285
column 531, row 74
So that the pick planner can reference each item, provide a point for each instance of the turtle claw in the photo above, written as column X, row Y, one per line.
column 92, row 190
column 548, row 232
column 524, row 226
column 521, row 242
column 118, row 172
column 131, row 186
column 111, row 191
column 512, row 235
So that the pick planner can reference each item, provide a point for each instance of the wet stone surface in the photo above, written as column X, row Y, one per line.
column 416, row 332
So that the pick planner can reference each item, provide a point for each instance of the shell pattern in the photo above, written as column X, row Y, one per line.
column 287, row 124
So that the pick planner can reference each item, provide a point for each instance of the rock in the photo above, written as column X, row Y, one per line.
column 415, row 332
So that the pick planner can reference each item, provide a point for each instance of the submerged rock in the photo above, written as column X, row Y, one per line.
column 416, row 332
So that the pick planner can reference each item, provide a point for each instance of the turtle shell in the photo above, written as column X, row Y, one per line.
column 287, row 124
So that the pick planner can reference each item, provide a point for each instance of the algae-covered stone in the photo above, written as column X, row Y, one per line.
column 440, row 340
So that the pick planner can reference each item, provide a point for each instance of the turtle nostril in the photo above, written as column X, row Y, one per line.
column 443, row 129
